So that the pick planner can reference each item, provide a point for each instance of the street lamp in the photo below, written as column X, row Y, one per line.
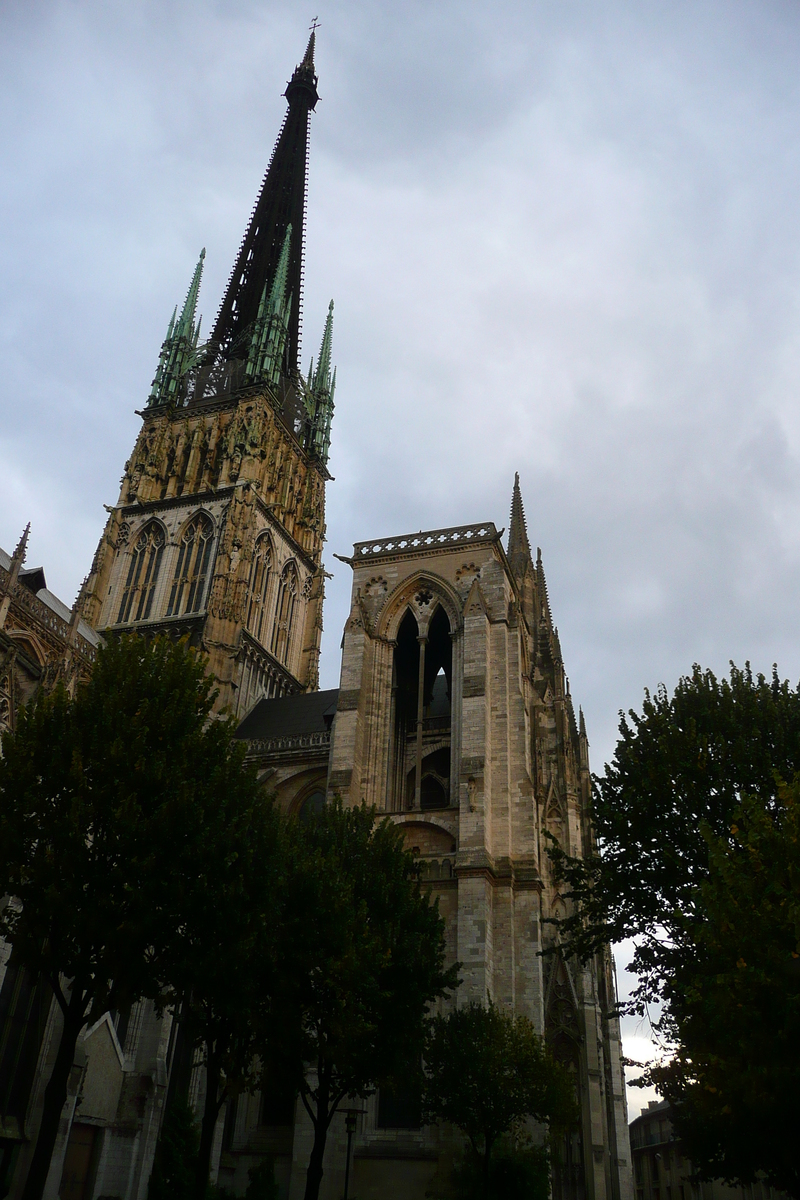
column 350, row 1121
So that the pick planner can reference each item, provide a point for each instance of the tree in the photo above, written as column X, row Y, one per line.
column 687, row 759
column 735, row 1002
column 99, row 797
column 218, row 966
column 665, row 814
column 361, row 958
column 487, row 1071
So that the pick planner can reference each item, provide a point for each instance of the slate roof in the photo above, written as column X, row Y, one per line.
column 290, row 716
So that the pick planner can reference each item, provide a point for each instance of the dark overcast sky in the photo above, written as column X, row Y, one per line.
column 563, row 238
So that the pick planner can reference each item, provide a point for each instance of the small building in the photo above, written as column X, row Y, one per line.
column 662, row 1171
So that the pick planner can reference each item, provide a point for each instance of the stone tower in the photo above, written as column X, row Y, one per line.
column 454, row 716
column 218, row 530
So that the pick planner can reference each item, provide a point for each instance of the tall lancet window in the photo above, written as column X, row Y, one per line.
column 191, row 569
column 421, row 722
column 140, row 584
column 259, row 582
column 284, row 613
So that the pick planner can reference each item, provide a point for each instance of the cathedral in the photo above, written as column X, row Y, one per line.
column 453, row 715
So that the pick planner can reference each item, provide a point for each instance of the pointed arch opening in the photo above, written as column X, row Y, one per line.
column 421, row 720
column 143, row 572
column 191, row 569
column 260, row 571
column 284, row 613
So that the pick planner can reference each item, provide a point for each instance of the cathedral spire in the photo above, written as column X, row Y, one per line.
column 519, row 548
column 179, row 346
column 280, row 205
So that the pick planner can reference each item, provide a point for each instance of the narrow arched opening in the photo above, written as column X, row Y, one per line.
column 421, row 713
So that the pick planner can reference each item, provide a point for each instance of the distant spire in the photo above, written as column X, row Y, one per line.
column 281, row 203
column 519, row 548
column 544, row 599
column 185, row 326
column 12, row 575
column 18, row 557
column 582, row 723
column 179, row 346
column 320, row 387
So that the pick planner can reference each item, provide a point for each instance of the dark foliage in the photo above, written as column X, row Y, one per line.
column 699, row 865
column 735, row 1003
column 487, row 1072
column 107, row 804
column 173, row 1174
column 361, row 960
column 687, row 759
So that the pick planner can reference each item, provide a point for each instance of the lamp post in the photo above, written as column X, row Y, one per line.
column 350, row 1122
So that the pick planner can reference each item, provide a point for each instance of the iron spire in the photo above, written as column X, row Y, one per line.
column 281, row 203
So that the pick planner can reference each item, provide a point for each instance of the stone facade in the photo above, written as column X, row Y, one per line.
column 452, row 674
column 228, row 486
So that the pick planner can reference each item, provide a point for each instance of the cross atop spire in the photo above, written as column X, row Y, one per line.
column 519, row 548
column 281, row 204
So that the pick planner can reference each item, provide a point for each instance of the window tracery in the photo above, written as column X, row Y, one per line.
column 284, row 613
column 259, row 582
column 191, row 569
column 140, row 583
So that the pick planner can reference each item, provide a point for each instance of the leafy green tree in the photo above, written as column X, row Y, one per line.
column 487, row 1072
column 685, row 760
column 99, row 798
column 361, row 959
column 735, row 1002
column 218, row 960
column 664, row 812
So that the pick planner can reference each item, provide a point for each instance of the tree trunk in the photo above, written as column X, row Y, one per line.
column 207, row 1126
column 314, row 1173
column 55, row 1094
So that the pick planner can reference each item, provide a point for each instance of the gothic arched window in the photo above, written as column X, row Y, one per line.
column 145, row 564
column 191, row 569
column 259, row 581
column 284, row 613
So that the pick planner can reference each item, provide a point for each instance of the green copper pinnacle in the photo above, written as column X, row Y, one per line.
column 319, row 388
column 180, row 345
column 268, row 338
